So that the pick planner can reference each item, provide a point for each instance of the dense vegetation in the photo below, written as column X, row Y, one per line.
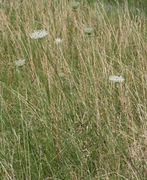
column 60, row 115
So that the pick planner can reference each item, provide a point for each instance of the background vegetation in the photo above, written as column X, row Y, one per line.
column 60, row 116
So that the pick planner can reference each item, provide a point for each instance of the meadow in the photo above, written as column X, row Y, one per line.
column 73, row 102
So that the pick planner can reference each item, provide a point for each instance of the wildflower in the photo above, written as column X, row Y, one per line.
column 75, row 5
column 119, row 79
column 89, row 30
column 20, row 62
column 61, row 75
column 38, row 34
column 58, row 41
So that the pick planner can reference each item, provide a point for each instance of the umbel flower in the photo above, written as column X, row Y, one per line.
column 75, row 5
column 58, row 41
column 89, row 30
column 38, row 34
column 20, row 62
column 118, row 79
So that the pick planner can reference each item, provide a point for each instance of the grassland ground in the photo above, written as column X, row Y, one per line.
column 60, row 115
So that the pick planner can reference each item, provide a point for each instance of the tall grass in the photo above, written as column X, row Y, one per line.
column 60, row 116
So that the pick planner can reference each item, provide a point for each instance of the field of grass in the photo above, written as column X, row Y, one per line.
column 61, row 117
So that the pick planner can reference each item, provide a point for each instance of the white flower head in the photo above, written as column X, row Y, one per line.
column 89, row 30
column 75, row 5
column 58, row 41
column 119, row 79
column 20, row 62
column 38, row 34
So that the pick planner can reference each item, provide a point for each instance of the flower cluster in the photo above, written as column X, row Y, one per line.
column 20, row 62
column 118, row 79
column 38, row 34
